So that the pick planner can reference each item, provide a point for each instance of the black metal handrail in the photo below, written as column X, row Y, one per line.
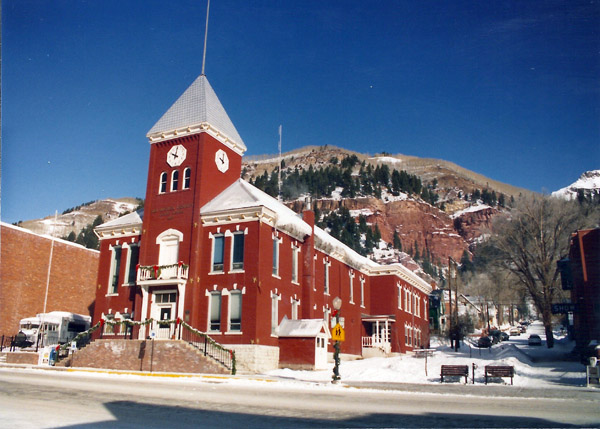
column 177, row 329
column 208, row 346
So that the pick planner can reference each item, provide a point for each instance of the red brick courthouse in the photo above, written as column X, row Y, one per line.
column 233, row 262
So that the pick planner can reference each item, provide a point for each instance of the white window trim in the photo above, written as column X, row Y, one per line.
column 183, row 181
column 295, row 262
column 362, row 292
column 275, row 298
column 212, row 237
column 209, row 294
column 228, row 293
column 128, row 263
column 399, row 287
column 111, row 273
column 172, row 187
column 161, row 181
column 295, row 307
column 278, row 240
column 326, row 265
column 231, row 248
column 351, row 289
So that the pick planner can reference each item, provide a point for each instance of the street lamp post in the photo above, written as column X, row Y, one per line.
column 337, row 305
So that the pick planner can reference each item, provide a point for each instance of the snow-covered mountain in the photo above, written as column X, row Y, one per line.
column 588, row 182
column 74, row 220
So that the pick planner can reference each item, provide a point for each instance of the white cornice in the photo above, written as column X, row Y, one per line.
column 203, row 127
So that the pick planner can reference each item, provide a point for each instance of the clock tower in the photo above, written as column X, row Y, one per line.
column 195, row 154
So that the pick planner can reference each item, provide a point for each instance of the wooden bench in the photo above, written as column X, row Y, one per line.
column 455, row 371
column 499, row 371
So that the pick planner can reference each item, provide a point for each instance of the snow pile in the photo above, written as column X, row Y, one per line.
column 534, row 367
column 588, row 181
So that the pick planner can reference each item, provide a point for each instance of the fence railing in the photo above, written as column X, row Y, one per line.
column 160, row 330
column 162, row 272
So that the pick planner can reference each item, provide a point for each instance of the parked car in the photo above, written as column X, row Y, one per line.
column 514, row 331
column 484, row 342
column 494, row 335
column 504, row 336
column 534, row 340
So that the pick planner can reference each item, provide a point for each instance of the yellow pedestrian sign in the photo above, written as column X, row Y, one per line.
column 337, row 333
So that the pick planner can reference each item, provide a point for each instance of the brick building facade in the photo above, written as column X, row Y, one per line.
column 25, row 257
column 228, row 259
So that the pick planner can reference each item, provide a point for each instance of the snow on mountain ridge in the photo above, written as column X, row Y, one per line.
column 590, row 180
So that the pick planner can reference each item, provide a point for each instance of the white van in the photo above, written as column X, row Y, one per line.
column 56, row 327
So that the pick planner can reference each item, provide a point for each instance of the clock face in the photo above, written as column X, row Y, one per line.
column 176, row 155
column 222, row 161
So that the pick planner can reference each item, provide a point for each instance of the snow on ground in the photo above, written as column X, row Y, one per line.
column 534, row 366
column 471, row 209
column 387, row 159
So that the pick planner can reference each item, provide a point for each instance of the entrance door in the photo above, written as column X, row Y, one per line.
column 163, row 309
column 321, row 352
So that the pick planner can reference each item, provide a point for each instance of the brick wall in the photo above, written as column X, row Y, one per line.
column 141, row 355
column 28, row 358
column 24, row 260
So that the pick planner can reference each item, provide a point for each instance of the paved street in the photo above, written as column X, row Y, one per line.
column 36, row 398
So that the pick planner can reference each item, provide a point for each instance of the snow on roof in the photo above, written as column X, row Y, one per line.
column 241, row 195
column 302, row 328
column 334, row 247
column 198, row 105
column 47, row 237
column 130, row 219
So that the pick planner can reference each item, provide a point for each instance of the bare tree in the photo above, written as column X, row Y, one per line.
column 529, row 242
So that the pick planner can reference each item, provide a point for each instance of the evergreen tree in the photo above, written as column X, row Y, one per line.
column 397, row 242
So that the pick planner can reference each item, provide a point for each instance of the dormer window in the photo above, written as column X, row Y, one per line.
column 163, row 183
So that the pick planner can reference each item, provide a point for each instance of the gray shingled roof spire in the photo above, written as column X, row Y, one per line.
column 198, row 109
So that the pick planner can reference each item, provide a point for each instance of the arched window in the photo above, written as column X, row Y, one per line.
column 163, row 183
column 168, row 253
column 187, row 178
column 174, row 180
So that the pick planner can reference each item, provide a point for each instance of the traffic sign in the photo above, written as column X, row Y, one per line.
column 337, row 333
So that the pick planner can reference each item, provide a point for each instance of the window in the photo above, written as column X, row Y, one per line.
column 187, row 178
column 295, row 251
column 276, row 242
column 295, row 306
column 134, row 256
column 215, row 311
column 326, row 264
column 114, row 269
column 235, row 311
column 168, row 242
column 237, row 257
column 399, row 295
column 351, row 275
column 362, row 291
column 218, row 252
column 274, row 313
column 174, row 180
column 163, row 183
column 326, row 313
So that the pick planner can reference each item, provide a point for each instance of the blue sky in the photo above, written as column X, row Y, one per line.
column 509, row 89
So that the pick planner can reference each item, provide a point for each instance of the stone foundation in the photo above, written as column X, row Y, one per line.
column 255, row 358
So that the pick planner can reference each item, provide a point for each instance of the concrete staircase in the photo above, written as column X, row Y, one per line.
column 144, row 355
